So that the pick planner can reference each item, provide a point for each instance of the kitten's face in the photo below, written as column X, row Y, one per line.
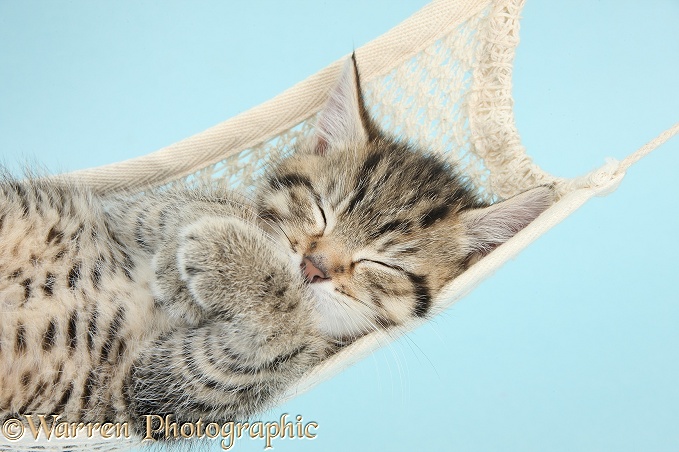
column 365, row 224
column 375, row 227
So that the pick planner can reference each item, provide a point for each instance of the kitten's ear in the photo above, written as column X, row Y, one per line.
column 343, row 119
column 489, row 227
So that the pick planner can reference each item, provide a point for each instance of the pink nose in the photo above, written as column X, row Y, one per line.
column 311, row 272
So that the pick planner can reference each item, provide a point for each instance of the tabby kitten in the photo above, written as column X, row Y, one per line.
column 200, row 303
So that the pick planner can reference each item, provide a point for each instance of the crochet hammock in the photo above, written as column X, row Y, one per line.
column 442, row 78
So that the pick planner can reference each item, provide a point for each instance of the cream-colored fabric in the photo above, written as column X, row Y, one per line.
column 443, row 79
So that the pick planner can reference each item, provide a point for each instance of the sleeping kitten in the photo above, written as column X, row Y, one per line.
column 201, row 304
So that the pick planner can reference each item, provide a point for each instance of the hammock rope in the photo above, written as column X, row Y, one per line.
column 648, row 148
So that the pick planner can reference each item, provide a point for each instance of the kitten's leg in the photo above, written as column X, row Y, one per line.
column 256, row 338
column 195, row 373
column 158, row 222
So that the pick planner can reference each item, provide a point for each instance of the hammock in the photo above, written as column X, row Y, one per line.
column 442, row 78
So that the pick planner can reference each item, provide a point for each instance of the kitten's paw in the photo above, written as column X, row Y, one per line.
column 230, row 267
column 209, row 244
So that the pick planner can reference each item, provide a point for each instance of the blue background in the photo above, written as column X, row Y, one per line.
column 571, row 346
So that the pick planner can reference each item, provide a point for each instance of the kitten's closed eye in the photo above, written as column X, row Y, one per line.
column 380, row 263
column 325, row 220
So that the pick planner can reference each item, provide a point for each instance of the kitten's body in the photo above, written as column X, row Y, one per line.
column 76, row 305
column 193, row 302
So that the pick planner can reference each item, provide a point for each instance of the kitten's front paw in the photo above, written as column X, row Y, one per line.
column 230, row 267
column 210, row 244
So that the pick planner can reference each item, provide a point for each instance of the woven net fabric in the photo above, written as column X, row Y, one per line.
column 441, row 79
column 453, row 97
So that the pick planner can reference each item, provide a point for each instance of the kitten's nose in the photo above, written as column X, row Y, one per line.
column 312, row 271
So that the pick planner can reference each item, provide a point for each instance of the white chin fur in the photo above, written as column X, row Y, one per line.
column 339, row 316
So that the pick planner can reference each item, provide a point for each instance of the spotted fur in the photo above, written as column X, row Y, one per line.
column 200, row 303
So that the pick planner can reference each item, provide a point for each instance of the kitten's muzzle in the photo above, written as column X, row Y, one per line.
column 313, row 270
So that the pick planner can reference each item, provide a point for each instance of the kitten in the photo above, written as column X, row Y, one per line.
column 202, row 304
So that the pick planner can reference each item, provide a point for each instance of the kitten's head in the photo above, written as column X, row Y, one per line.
column 376, row 226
